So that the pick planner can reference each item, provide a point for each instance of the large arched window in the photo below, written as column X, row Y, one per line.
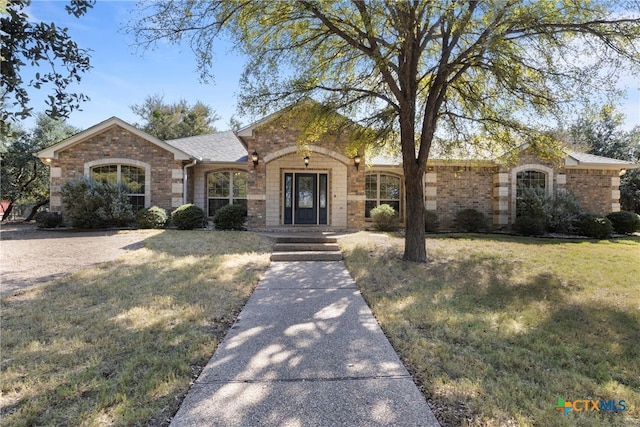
column 529, row 180
column 226, row 188
column 381, row 189
column 131, row 176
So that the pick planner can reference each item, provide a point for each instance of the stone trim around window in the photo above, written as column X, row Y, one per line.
column 88, row 166
column 514, row 180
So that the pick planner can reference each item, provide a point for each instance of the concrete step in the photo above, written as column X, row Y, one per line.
column 305, row 239
column 303, row 247
column 307, row 256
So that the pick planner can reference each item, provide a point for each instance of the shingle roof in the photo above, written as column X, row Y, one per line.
column 218, row 147
column 591, row 159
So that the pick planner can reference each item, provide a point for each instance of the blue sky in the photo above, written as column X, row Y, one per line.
column 123, row 75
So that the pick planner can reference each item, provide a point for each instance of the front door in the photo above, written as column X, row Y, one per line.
column 305, row 198
column 306, row 195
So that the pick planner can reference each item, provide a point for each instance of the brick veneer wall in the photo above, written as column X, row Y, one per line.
column 449, row 189
column 118, row 143
column 598, row 191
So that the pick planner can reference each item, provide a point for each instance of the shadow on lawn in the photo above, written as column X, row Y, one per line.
column 493, row 346
column 119, row 343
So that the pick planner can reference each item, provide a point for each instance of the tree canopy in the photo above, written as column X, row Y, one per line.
column 475, row 72
column 177, row 120
column 24, row 178
column 44, row 49
column 599, row 132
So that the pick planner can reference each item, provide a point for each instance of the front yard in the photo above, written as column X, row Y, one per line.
column 497, row 328
column 118, row 343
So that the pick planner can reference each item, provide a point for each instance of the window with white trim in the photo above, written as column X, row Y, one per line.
column 133, row 177
column 529, row 179
column 226, row 188
column 381, row 189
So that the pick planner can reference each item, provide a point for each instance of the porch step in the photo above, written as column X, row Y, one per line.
column 306, row 248
column 307, row 256
column 300, row 247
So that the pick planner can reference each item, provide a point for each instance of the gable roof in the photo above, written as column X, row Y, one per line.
column 52, row 151
column 577, row 159
column 215, row 147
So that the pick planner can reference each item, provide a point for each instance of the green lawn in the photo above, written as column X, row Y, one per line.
column 118, row 344
column 496, row 328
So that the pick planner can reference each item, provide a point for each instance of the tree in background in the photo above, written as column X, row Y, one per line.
column 177, row 120
column 25, row 179
column 56, row 60
column 599, row 132
column 480, row 72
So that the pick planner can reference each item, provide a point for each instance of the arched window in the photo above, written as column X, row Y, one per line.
column 529, row 180
column 131, row 176
column 381, row 189
column 226, row 188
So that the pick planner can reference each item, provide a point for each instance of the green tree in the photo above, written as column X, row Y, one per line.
column 177, row 120
column 48, row 51
column 414, row 70
column 600, row 132
column 25, row 179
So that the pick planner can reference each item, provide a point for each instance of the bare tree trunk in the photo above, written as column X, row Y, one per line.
column 7, row 211
column 415, row 245
column 34, row 210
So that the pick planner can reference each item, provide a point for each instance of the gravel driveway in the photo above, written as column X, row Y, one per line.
column 29, row 256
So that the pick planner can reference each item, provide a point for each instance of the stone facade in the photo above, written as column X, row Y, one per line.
column 280, row 149
column 449, row 186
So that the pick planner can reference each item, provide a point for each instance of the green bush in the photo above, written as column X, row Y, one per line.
column 385, row 218
column 48, row 219
column 431, row 221
column 594, row 226
column 471, row 220
column 153, row 217
column 188, row 217
column 95, row 204
column 529, row 225
column 557, row 212
column 624, row 222
column 230, row 217
column 561, row 211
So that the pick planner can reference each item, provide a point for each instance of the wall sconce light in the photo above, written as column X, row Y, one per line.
column 306, row 161
column 254, row 158
column 356, row 161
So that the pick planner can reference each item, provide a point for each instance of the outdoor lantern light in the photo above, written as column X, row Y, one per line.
column 356, row 161
column 306, row 161
column 255, row 157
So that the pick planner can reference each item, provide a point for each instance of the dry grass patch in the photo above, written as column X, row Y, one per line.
column 497, row 328
column 119, row 343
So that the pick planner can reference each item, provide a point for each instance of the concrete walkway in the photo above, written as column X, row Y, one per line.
column 305, row 351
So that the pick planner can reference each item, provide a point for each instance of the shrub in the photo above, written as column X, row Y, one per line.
column 431, row 221
column 188, row 217
column 561, row 211
column 471, row 220
column 230, row 217
column 153, row 217
column 594, row 226
column 385, row 218
column 95, row 204
column 48, row 219
column 529, row 225
column 624, row 222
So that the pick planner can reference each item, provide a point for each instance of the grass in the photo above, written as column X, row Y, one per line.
column 496, row 328
column 119, row 343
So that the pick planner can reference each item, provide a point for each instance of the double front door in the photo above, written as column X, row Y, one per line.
column 305, row 198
